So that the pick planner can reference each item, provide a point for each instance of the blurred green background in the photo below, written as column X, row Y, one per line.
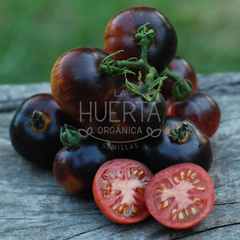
column 34, row 33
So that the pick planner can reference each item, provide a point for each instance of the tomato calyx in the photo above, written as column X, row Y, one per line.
column 38, row 120
column 181, row 134
column 69, row 136
column 125, row 187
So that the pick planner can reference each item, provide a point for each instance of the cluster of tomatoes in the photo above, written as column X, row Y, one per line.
column 133, row 100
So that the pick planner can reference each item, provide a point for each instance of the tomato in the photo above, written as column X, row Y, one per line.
column 37, row 140
column 118, row 189
column 164, row 151
column 199, row 108
column 132, row 115
column 120, row 35
column 182, row 68
column 78, row 85
column 180, row 196
column 75, row 167
column 132, row 149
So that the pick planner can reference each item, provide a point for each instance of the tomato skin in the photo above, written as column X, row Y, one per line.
column 75, row 167
column 163, row 152
column 76, row 78
column 199, row 108
column 133, row 112
column 120, row 35
column 39, row 147
column 182, row 68
column 106, row 202
column 171, row 212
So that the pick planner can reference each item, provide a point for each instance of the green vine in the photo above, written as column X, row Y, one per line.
column 153, row 81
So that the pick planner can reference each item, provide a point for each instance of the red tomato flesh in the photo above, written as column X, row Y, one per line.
column 180, row 196
column 118, row 189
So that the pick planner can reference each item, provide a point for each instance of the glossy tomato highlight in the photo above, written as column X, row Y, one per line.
column 118, row 189
column 180, row 196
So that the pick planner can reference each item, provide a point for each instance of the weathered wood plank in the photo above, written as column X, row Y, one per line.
column 33, row 206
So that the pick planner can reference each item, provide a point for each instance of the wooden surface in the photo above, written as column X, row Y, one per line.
column 33, row 206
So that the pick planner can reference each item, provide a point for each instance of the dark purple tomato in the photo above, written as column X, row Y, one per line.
column 199, row 108
column 182, row 68
column 133, row 117
column 120, row 35
column 75, row 167
column 35, row 129
column 78, row 85
column 165, row 150
column 132, row 149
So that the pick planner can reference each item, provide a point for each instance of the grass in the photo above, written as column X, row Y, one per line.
column 35, row 33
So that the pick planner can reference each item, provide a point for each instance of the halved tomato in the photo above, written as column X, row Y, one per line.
column 118, row 189
column 180, row 196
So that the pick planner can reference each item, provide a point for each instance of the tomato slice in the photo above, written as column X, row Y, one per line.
column 118, row 189
column 180, row 196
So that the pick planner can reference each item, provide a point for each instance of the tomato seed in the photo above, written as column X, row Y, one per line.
column 174, row 217
column 188, row 173
column 181, row 216
column 120, row 209
column 165, row 204
column 176, row 179
column 160, row 206
column 114, row 207
column 182, row 174
column 196, row 181
column 162, row 185
column 135, row 172
column 193, row 176
column 193, row 210
column 174, row 211
column 199, row 205
column 196, row 200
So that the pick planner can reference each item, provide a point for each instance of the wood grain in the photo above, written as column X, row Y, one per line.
column 33, row 206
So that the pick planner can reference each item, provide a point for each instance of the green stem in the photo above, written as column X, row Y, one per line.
column 181, row 88
column 180, row 134
column 38, row 120
column 110, row 66
column 69, row 136
column 172, row 76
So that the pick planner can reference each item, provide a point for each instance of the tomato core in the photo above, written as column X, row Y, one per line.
column 180, row 190
column 124, row 187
